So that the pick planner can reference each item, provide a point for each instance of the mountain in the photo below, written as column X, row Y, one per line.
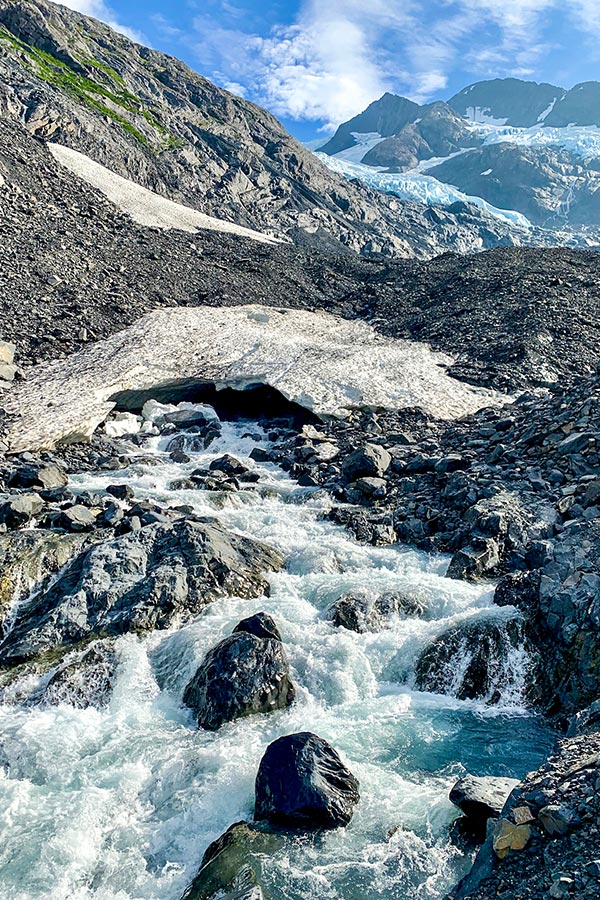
column 436, row 131
column 507, row 101
column 386, row 116
column 148, row 117
column 508, row 144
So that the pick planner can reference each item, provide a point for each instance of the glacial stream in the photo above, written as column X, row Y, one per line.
column 120, row 803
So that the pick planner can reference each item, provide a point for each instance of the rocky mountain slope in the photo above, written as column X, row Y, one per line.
column 517, row 145
column 148, row 117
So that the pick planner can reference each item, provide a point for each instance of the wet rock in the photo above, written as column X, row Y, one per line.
column 370, row 461
column 371, row 612
column 245, row 674
column 85, row 681
column 473, row 661
column 481, row 798
column 232, row 865
column 261, row 625
column 20, row 510
column 138, row 582
column 28, row 559
column 302, row 783
column 121, row 491
column 473, row 564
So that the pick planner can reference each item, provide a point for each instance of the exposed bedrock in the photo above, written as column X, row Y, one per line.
column 245, row 674
column 323, row 363
column 138, row 582
column 302, row 783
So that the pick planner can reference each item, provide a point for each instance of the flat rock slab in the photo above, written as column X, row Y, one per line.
column 325, row 364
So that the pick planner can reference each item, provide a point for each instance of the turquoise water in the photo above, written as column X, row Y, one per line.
column 120, row 803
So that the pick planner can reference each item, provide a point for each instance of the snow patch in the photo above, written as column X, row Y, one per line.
column 144, row 206
column 364, row 142
column 324, row 363
column 483, row 115
column 544, row 115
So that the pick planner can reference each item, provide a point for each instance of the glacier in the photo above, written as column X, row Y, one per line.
column 417, row 186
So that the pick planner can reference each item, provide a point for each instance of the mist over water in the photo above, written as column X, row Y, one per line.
column 121, row 803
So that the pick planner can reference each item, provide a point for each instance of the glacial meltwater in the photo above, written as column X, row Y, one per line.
column 120, row 803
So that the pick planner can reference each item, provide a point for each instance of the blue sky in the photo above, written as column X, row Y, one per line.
column 316, row 63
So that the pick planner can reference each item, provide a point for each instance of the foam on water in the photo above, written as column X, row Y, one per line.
column 120, row 803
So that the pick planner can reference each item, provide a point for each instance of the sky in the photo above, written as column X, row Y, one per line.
column 317, row 63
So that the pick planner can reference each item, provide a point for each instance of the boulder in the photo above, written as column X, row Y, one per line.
column 20, row 510
column 7, row 352
column 481, row 798
column 508, row 836
column 76, row 518
column 45, row 477
column 472, row 660
column 231, row 865
column 302, row 783
column 370, row 461
column 245, row 674
column 261, row 625
column 137, row 582
column 371, row 612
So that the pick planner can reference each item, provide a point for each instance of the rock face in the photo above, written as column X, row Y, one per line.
column 336, row 364
column 560, row 605
column 549, row 185
column 245, row 674
column 302, row 783
column 473, row 661
column 138, row 582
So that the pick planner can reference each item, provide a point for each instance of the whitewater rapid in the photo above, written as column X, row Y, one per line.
column 120, row 803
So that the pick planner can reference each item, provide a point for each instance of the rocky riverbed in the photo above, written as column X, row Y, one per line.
column 94, row 561
column 137, row 580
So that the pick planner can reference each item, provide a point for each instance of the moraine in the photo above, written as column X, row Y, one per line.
column 120, row 803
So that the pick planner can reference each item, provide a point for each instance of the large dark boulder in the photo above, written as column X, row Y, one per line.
column 473, row 660
column 245, row 674
column 302, row 783
column 138, row 582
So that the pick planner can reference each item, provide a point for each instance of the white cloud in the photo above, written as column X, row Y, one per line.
column 99, row 10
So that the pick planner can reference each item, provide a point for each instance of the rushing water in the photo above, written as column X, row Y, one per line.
column 120, row 803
